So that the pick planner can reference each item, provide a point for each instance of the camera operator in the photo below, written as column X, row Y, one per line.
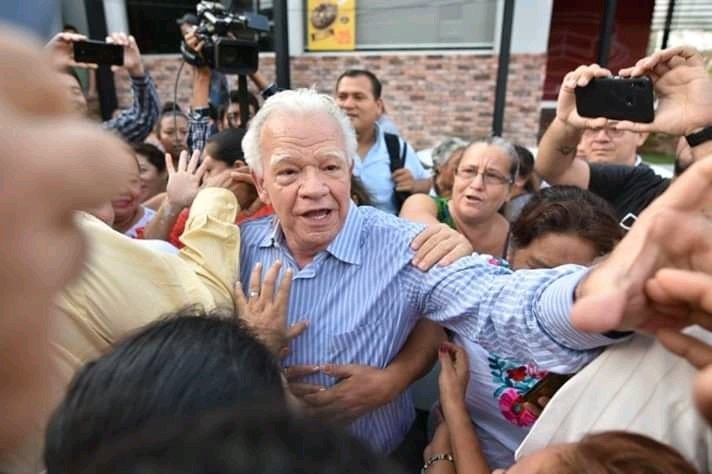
column 200, row 130
column 133, row 124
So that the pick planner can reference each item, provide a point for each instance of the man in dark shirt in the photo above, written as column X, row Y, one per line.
column 630, row 189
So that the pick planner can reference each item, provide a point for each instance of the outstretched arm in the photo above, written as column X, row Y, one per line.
column 556, row 160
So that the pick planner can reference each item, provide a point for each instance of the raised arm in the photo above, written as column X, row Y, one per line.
column 684, row 92
column 555, row 161
column 199, row 126
column 183, row 186
column 455, row 436
column 135, row 123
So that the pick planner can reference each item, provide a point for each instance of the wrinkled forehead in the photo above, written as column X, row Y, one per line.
column 483, row 155
column 302, row 136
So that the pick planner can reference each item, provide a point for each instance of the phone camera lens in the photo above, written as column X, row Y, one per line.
column 629, row 101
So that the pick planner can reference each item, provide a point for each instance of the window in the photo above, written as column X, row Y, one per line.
column 691, row 24
column 425, row 24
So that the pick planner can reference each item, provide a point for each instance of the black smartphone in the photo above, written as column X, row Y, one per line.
column 98, row 52
column 617, row 98
column 546, row 387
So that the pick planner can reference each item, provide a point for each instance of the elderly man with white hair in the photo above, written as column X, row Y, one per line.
column 356, row 282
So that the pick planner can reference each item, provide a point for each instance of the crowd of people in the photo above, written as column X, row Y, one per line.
column 186, row 292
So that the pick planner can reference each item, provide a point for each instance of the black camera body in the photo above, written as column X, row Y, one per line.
column 230, row 40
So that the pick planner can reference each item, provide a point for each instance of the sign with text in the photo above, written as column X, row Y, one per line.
column 331, row 25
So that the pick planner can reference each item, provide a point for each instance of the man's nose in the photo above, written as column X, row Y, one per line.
column 312, row 184
column 602, row 134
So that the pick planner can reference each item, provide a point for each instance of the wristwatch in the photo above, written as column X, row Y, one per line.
column 435, row 458
column 700, row 137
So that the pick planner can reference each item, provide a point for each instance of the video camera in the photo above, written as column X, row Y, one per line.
column 230, row 40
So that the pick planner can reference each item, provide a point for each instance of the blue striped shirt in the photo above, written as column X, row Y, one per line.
column 362, row 297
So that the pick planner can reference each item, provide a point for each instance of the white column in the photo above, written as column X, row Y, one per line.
column 116, row 18
column 295, row 20
column 532, row 22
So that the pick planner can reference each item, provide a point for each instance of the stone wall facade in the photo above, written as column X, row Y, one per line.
column 429, row 96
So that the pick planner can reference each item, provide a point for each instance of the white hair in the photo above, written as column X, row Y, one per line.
column 295, row 102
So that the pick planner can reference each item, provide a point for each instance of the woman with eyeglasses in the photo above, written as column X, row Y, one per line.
column 482, row 185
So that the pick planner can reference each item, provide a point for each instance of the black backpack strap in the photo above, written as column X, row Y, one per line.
column 394, row 152
column 397, row 160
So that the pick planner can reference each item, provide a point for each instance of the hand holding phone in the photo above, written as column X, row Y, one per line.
column 98, row 52
column 617, row 98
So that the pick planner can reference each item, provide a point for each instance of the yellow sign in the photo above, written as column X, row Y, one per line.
column 331, row 25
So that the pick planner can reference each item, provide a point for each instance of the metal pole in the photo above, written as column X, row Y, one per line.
column 668, row 22
column 505, row 44
column 96, row 18
column 281, row 43
column 604, row 43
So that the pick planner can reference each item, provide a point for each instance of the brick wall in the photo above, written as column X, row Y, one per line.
column 429, row 96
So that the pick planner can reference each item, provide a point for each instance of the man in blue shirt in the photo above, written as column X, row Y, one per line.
column 354, row 280
column 358, row 93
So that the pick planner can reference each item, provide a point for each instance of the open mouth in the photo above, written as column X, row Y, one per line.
column 473, row 199
column 317, row 215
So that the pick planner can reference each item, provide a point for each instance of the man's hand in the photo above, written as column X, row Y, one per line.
column 566, row 102
column 439, row 244
column 132, row 55
column 360, row 389
column 403, row 180
column 193, row 41
column 183, row 182
column 683, row 89
column 671, row 233
column 42, row 246
column 266, row 311
column 61, row 50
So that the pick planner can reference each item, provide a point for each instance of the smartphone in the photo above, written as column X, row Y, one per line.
column 98, row 52
column 546, row 387
column 617, row 98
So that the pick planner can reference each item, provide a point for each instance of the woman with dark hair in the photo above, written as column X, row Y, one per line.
column 185, row 365
column 483, row 180
column 559, row 225
column 563, row 224
column 172, row 130
column 152, row 167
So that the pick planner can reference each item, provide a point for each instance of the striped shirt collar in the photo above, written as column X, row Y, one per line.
column 345, row 247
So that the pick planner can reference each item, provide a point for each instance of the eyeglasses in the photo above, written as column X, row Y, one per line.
column 489, row 177
column 610, row 131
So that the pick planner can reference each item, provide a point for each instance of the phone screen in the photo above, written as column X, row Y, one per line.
column 98, row 52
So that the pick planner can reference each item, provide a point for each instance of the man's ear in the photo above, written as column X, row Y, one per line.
column 259, row 185
column 381, row 107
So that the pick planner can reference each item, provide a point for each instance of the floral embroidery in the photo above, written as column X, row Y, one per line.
column 514, row 381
